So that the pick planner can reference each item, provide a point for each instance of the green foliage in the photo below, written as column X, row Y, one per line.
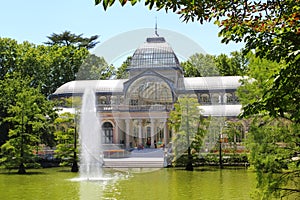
column 235, row 65
column 283, row 97
column 272, row 141
column 8, row 56
column 63, row 66
column 200, row 65
column 67, row 38
column 233, row 131
column 207, row 65
column 121, row 72
column 189, row 69
column 274, row 145
column 188, row 125
column 259, row 78
column 263, row 92
column 212, row 159
column 95, row 68
column 49, row 66
column 64, row 137
column 27, row 115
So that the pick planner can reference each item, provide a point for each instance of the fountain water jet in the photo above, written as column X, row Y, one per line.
column 90, row 133
column 90, row 138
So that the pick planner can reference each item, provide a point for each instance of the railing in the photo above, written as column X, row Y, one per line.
column 114, row 151
column 113, row 146
column 118, row 153
column 134, row 108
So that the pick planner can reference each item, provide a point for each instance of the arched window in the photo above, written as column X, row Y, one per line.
column 102, row 100
column 114, row 100
column 107, row 133
column 149, row 91
column 121, row 100
column 204, row 99
column 228, row 98
column 215, row 98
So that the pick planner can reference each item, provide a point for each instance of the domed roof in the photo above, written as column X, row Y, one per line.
column 154, row 53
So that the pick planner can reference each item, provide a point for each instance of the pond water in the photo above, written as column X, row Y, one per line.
column 58, row 183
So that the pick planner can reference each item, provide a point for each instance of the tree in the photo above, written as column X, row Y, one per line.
column 200, row 65
column 258, row 79
column 122, row 72
column 95, row 68
column 67, row 134
column 207, row 65
column 185, row 121
column 273, row 142
column 274, row 145
column 64, row 136
column 8, row 56
column 49, row 66
column 64, row 64
column 233, row 131
column 28, row 117
column 67, row 38
column 235, row 65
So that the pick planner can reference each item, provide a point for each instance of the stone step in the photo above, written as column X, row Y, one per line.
column 134, row 163
column 147, row 153
column 131, row 165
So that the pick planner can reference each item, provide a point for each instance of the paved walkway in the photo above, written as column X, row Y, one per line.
column 146, row 158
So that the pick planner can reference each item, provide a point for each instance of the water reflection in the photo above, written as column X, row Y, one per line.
column 91, row 190
column 180, row 184
column 96, row 189
column 206, row 184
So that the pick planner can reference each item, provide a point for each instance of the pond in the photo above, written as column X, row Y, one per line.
column 167, row 183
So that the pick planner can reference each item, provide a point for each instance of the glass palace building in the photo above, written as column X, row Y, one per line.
column 135, row 111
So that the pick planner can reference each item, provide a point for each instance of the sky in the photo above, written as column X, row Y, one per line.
column 34, row 20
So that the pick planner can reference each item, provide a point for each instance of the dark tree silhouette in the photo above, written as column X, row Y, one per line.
column 67, row 39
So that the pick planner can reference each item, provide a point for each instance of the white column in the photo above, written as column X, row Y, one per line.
column 152, row 132
column 117, row 133
column 140, row 131
column 127, row 124
column 165, row 132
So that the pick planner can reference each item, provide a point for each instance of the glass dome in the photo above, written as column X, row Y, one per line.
column 154, row 53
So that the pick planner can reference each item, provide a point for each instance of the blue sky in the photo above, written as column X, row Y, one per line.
column 34, row 20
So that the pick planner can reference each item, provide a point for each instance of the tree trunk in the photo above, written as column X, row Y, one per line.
column 189, row 165
column 21, row 169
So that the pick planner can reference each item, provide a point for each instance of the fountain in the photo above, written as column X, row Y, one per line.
column 91, row 159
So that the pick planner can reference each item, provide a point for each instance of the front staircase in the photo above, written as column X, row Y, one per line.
column 145, row 158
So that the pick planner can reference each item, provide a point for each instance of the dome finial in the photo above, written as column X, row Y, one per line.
column 156, row 27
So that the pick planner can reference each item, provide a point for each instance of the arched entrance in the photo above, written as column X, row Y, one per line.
column 107, row 128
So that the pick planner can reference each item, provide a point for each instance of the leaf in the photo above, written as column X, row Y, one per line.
column 97, row 2
column 105, row 4
column 133, row 2
column 123, row 2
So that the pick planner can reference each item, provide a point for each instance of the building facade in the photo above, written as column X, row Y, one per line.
column 135, row 111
